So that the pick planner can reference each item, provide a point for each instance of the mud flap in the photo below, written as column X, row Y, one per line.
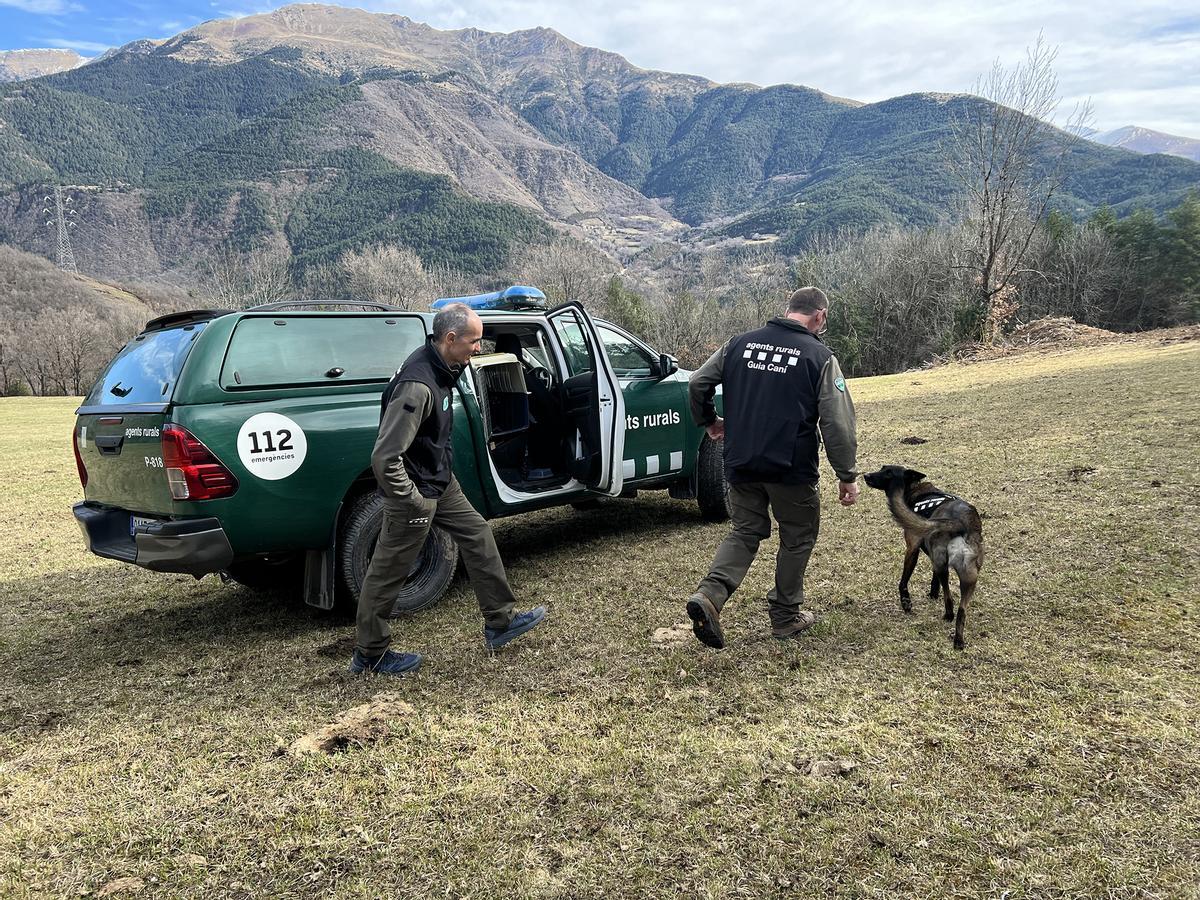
column 320, row 571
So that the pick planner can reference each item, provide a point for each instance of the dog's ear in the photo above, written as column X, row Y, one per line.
column 912, row 476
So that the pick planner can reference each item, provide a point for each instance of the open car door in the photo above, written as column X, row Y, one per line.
column 592, row 400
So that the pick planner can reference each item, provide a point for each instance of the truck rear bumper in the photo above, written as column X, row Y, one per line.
column 191, row 546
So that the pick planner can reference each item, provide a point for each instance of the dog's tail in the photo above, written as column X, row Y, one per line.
column 909, row 519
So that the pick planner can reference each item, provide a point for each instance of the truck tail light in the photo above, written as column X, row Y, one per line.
column 193, row 471
column 79, row 459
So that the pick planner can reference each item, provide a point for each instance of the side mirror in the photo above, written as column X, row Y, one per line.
column 667, row 365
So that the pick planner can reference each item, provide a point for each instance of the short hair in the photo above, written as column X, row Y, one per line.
column 453, row 317
column 807, row 301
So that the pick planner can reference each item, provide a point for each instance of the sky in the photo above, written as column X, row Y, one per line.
column 1137, row 61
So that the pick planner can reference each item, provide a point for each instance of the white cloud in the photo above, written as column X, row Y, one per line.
column 871, row 49
column 88, row 46
column 44, row 7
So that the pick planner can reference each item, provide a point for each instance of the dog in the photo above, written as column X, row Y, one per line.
column 947, row 528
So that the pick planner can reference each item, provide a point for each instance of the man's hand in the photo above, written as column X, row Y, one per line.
column 716, row 430
column 847, row 492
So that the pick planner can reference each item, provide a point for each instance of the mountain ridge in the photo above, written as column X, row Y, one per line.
column 1147, row 140
column 249, row 123
column 34, row 62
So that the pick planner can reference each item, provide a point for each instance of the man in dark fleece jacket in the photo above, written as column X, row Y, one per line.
column 414, row 466
column 781, row 385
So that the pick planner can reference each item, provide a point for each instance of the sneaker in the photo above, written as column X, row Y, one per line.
column 389, row 663
column 804, row 620
column 706, row 621
column 495, row 638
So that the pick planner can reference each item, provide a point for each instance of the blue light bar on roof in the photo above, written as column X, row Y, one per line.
column 516, row 297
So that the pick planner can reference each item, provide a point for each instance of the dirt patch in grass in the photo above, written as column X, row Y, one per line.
column 356, row 727
column 672, row 635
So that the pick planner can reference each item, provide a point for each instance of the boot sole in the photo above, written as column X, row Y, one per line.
column 705, row 625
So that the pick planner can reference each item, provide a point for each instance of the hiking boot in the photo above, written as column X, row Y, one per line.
column 388, row 663
column 495, row 638
column 706, row 621
column 803, row 621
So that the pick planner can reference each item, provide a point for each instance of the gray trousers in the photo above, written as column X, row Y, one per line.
column 405, row 526
column 797, row 509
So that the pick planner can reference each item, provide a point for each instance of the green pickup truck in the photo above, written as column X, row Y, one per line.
column 239, row 442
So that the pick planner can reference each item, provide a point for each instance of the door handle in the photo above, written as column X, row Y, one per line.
column 110, row 444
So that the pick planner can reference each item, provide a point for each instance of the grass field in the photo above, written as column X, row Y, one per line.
column 141, row 714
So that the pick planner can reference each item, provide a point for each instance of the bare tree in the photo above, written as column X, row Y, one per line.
column 7, row 346
column 1082, row 274
column 895, row 293
column 35, row 355
column 387, row 273
column 323, row 282
column 78, row 342
column 687, row 324
column 234, row 280
column 1009, row 160
column 761, row 280
column 565, row 269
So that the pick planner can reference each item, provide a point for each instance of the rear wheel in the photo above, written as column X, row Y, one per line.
column 712, row 493
column 431, row 573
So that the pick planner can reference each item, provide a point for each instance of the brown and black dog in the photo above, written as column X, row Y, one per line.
column 947, row 528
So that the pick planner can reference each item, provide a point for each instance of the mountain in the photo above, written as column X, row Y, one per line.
column 17, row 65
column 1145, row 140
column 326, row 128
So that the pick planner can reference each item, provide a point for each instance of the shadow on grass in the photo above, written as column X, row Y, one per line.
column 609, row 526
column 128, row 617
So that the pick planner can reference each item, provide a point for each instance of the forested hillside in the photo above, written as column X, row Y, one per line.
column 324, row 129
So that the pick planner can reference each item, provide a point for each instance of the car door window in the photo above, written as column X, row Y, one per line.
column 575, row 347
column 627, row 358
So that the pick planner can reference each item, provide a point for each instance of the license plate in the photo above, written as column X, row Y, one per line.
column 136, row 522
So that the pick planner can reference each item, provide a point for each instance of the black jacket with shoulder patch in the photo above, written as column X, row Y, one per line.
column 771, row 380
column 429, row 459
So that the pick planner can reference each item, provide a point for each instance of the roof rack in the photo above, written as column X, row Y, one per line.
column 293, row 304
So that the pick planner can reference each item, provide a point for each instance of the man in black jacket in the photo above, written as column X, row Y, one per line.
column 781, row 385
column 414, row 465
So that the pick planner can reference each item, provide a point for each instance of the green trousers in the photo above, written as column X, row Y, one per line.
column 797, row 509
column 405, row 527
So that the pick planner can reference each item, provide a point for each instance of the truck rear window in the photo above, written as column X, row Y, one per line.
column 306, row 350
column 146, row 369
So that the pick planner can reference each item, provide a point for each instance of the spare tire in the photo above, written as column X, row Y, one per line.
column 431, row 573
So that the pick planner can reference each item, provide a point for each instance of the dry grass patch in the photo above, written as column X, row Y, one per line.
column 141, row 714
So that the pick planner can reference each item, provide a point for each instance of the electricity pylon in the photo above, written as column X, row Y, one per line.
column 63, row 220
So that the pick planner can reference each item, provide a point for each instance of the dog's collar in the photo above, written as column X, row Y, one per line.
column 926, row 505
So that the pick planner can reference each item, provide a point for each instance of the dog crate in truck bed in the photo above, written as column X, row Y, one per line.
column 503, row 400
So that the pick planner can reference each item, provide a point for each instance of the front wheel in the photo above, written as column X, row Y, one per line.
column 431, row 573
column 712, row 492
